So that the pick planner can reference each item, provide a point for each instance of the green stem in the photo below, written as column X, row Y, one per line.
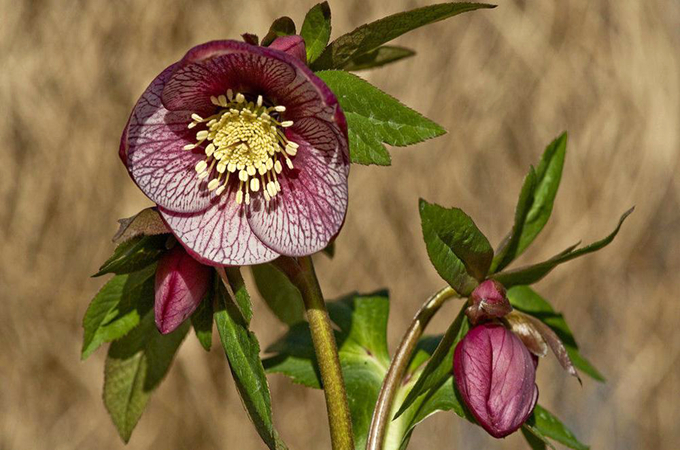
column 301, row 274
column 395, row 374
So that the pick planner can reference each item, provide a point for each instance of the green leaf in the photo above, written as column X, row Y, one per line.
column 316, row 30
column 377, row 58
column 372, row 35
column 534, row 273
column 542, row 421
column 134, row 254
column 362, row 342
column 535, row 439
column 329, row 250
column 117, row 308
column 202, row 319
column 243, row 352
column 282, row 297
column 283, row 26
column 440, row 365
column 458, row 250
column 134, row 368
column 528, row 301
column 535, row 203
column 240, row 293
column 374, row 118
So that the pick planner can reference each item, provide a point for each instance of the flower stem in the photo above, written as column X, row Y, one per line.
column 395, row 374
column 301, row 274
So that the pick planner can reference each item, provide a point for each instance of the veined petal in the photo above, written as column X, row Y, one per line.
column 311, row 207
column 156, row 160
column 219, row 236
column 181, row 283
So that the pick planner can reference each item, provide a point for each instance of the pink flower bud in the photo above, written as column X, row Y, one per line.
column 488, row 301
column 294, row 45
column 495, row 375
column 181, row 283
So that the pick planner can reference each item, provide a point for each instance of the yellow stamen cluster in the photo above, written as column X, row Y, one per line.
column 245, row 140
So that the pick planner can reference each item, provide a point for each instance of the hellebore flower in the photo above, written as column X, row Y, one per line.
column 488, row 301
column 495, row 375
column 181, row 283
column 245, row 152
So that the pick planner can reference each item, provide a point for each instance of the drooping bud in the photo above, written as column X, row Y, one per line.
column 181, row 283
column 294, row 45
column 495, row 375
column 488, row 301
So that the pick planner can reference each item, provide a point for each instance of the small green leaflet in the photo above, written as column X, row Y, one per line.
column 243, row 352
column 372, row 35
column 440, row 365
column 535, row 438
column 283, row 26
column 528, row 301
column 135, row 366
column 374, row 118
column 379, row 57
column 117, row 308
column 535, row 203
column 543, row 423
column 531, row 274
column 316, row 30
column 278, row 292
column 458, row 250
column 134, row 254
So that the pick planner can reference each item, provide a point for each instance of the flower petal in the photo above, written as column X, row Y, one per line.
column 311, row 207
column 181, row 283
column 156, row 160
column 212, row 68
column 219, row 235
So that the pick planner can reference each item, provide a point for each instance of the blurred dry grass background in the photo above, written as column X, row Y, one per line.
column 504, row 82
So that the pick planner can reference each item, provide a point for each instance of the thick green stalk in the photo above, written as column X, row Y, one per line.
column 395, row 374
column 302, row 275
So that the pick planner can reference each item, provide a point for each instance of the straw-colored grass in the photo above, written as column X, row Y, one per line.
column 503, row 82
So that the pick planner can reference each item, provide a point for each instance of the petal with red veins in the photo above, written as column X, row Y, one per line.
column 156, row 160
column 181, row 283
column 310, row 209
column 219, row 235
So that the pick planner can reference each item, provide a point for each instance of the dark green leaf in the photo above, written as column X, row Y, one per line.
column 527, row 300
column 535, row 203
column 535, row 439
column 316, row 30
column 147, row 222
column 240, row 293
column 329, row 250
column 374, row 118
column 243, row 352
column 202, row 319
column 532, row 274
column 135, row 366
column 440, row 365
column 282, row 297
column 117, row 308
column 546, row 424
column 377, row 58
column 362, row 323
column 458, row 250
column 250, row 38
column 372, row 35
column 134, row 254
column 283, row 26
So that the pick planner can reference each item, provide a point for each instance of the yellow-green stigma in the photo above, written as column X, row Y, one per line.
column 243, row 139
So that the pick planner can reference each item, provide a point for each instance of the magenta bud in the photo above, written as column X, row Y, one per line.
column 495, row 375
column 294, row 45
column 488, row 301
column 181, row 283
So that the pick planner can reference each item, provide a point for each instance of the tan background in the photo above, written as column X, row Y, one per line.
column 503, row 82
